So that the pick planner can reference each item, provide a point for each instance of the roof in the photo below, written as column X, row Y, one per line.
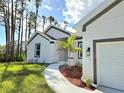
column 95, row 14
column 54, row 36
column 55, row 27
column 47, row 36
column 41, row 34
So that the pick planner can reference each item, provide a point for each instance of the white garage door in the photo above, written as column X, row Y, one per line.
column 110, row 64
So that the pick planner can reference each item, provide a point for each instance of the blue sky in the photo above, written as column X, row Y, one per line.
column 69, row 10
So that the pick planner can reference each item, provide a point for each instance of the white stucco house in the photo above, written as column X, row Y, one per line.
column 43, row 47
column 103, row 44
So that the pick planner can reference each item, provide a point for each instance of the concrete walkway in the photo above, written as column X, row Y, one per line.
column 60, row 84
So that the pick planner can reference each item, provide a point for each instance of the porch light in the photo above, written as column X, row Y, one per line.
column 88, row 51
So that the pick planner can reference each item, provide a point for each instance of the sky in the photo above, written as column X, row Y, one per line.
column 70, row 10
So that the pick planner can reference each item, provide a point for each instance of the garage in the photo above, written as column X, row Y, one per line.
column 110, row 64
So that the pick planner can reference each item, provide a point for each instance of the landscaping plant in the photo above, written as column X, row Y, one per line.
column 68, row 44
column 87, row 81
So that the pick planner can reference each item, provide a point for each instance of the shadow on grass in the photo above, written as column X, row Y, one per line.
column 16, row 77
column 24, row 72
column 29, row 63
column 27, row 80
column 5, row 71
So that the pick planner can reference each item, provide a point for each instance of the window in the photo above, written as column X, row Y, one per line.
column 37, row 50
column 80, row 53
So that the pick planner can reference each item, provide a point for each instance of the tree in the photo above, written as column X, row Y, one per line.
column 37, row 4
column 18, row 43
column 12, row 14
column 12, row 30
column 26, row 31
column 44, row 21
column 51, row 19
column 56, row 22
column 7, row 16
column 65, row 24
column 31, row 23
column 22, row 20
column 68, row 45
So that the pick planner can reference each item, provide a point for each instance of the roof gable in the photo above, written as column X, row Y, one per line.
column 56, row 33
column 95, row 14
column 51, row 33
column 38, row 33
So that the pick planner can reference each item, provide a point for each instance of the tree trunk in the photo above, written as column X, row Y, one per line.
column 12, row 31
column 26, row 34
column 7, row 22
column 6, row 31
column 29, row 33
column 36, row 18
column 21, row 30
column 18, row 49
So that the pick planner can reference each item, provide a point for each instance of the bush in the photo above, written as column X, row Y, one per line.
column 21, row 57
column 3, row 58
column 87, row 81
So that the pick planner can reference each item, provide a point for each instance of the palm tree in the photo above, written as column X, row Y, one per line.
column 37, row 4
column 68, row 45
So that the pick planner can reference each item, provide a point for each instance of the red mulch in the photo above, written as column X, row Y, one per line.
column 73, row 74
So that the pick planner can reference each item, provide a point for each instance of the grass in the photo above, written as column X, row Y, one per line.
column 23, row 78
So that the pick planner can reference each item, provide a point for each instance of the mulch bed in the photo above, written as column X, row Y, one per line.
column 73, row 74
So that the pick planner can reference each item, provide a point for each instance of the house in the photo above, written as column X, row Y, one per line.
column 43, row 46
column 103, row 44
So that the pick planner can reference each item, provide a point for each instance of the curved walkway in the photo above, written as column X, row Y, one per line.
column 60, row 84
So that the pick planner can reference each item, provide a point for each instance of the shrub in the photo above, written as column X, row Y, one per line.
column 21, row 57
column 87, row 81
column 1, row 58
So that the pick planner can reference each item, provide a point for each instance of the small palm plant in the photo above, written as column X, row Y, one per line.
column 69, row 46
column 88, row 82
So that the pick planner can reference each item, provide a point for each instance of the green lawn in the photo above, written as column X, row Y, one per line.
column 23, row 78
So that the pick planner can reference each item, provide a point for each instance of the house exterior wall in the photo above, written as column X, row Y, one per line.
column 110, row 25
column 57, row 53
column 45, row 48
column 48, row 51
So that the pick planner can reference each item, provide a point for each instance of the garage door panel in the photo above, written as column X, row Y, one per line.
column 115, row 62
column 110, row 64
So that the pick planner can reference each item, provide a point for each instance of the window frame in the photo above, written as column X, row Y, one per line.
column 80, row 53
column 35, row 50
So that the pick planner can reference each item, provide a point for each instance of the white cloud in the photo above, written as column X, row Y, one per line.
column 48, row 7
column 70, row 29
column 58, row 8
column 76, row 9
